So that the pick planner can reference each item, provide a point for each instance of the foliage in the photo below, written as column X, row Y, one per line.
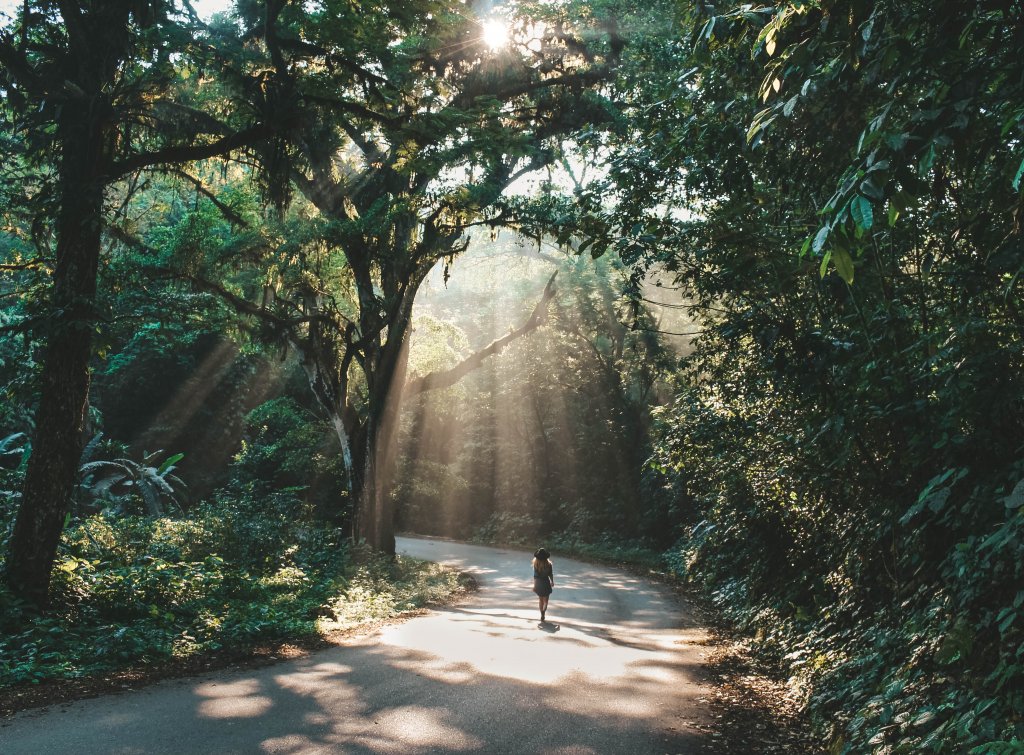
column 119, row 480
column 236, row 572
column 551, row 434
column 401, row 153
column 286, row 447
column 831, row 190
column 846, row 440
column 609, row 548
column 90, row 96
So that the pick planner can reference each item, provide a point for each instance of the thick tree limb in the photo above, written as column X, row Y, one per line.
column 445, row 378
column 353, row 108
column 245, row 307
column 240, row 304
column 189, row 152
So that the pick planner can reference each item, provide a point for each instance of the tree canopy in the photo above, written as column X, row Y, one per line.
column 734, row 289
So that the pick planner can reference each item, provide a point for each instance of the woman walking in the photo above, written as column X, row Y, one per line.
column 543, row 578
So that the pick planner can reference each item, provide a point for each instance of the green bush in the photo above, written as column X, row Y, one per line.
column 287, row 448
column 238, row 571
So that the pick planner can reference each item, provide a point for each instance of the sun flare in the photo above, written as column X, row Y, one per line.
column 495, row 33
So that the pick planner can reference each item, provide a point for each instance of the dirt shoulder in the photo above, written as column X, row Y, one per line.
column 753, row 709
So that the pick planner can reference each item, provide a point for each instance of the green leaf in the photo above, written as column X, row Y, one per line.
column 821, row 238
column 844, row 264
column 957, row 643
column 870, row 186
column 1020, row 174
column 927, row 160
column 824, row 263
column 924, row 718
column 170, row 463
column 1016, row 498
column 1007, row 622
column 709, row 28
column 862, row 212
column 761, row 121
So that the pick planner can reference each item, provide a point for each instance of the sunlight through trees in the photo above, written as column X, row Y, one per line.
column 731, row 291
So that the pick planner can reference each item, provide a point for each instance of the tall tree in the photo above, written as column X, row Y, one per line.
column 851, row 252
column 96, row 87
column 415, row 126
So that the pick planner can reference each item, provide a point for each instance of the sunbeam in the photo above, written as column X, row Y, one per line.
column 518, row 446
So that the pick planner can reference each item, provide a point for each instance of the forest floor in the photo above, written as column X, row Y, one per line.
column 753, row 708
column 750, row 707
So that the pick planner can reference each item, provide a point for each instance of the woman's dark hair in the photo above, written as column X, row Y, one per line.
column 542, row 553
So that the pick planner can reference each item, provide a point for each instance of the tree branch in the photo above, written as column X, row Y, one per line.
column 445, row 378
column 33, row 265
column 186, row 153
column 664, row 332
column 227, row 212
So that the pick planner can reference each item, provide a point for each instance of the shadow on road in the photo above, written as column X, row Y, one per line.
column 614, row 673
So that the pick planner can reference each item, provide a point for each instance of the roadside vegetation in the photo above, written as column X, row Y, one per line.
column 231, row 577
column 756, row 322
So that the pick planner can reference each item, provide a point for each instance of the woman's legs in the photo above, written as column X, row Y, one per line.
column 543, row 606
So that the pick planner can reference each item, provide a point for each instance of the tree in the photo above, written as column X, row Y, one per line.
column 413, row 129
column 549, row 438
column 835, row 189
column 97, row 88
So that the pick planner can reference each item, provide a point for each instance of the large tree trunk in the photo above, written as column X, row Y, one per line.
column 57, row 444
column 376, row 517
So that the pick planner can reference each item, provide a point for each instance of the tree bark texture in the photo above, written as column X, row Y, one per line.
column 57, row 442
column 375, row 520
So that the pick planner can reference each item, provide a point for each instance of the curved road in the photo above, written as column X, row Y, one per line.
column 615, row 670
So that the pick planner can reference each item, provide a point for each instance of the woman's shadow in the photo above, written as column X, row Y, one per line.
column 547, row 626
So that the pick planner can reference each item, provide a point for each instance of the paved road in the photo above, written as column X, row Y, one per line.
column 613, row 671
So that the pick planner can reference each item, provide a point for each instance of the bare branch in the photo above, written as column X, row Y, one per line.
column 665, row 332
column 445, row 378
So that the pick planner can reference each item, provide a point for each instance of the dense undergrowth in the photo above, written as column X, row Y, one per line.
column 235, row 573
column 939, row 671
column 845, row 449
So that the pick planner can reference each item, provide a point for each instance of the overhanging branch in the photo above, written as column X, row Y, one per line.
column 445, row 378
column 189, row 152
column 227, row 212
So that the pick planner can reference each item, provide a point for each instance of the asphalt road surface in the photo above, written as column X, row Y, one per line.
column 614, row 670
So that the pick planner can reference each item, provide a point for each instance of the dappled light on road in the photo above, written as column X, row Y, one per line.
column 615, row 669
column 240, row 699
column 507, row 645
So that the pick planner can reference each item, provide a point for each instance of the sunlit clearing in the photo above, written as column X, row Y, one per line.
column 495, row 33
